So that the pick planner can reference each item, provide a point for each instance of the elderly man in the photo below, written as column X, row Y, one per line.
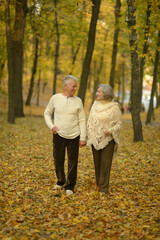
column 69, row 132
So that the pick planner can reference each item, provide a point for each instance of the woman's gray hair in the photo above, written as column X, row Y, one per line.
column 107, row 91
column 69, row 78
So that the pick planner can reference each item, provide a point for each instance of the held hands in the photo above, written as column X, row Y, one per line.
column 55, row 130
column 82, row 143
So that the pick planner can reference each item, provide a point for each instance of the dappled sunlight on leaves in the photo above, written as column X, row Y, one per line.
column 31, row 209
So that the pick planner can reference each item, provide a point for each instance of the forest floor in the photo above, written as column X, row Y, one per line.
column 31, row 209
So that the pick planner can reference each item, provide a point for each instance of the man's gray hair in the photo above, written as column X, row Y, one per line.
column 69, row 78
column 107, row 91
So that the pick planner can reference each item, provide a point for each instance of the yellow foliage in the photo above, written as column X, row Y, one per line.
column 32, row 209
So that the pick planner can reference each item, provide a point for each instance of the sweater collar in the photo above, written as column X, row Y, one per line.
column 103, row 105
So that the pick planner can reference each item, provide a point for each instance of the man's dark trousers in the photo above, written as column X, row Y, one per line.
column 72, row 146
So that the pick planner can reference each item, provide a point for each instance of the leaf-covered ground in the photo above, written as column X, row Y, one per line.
column 31, row 209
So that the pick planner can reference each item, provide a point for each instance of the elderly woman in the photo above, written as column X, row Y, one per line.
column 103, row 129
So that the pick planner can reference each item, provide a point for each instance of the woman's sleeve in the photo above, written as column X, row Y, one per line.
column 116, row 123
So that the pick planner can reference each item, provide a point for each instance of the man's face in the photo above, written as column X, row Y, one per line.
column 70, row 88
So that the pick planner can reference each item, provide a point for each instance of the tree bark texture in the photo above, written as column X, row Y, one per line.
column 34, row 70
column 115, row 42
column 56, row 48
column 145, row 47
column 135, row 98
column 2, row 65
column 38, row 87
column 15, row 57
column 123, row 81
column 11, row 92
column 75, row 56
column 18, row 36
column 90, row 48
column 154, row 85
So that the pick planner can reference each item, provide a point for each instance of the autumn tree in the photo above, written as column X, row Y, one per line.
column 135, row 86
column 57, row 46
column 145, row 46
column 2, row 54
column 15, row 37
column 115, row 42
column 32, row 21
column 154, row 85
column 90, row 48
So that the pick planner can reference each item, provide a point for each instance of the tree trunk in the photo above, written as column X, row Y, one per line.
column 15, row 57
column 123, row 81
column 96, row 82
column 90, row 48
column 11, row 92
column 38, row 87
column 119, row 88
column 18, row 36
column 145, row 47
column 56, row 49
column 150, row 110
column 74, row 56
column 135, row 98
column 115, row 43
column 157, row 94
column 2, row 64
column 34, row 70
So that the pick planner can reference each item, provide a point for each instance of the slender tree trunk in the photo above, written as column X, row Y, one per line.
column 123, row 82
column 11, row 92
column 90, row 48
column 115, row 43
column 34, row 70
column 119, row 88
column 145, row 47
column 158, row 92
column 18, row 36
column 96, row 82
column 38, row 87
column 150, row 110
column 56, row 48
column 44, row 87
column 2, row 64
column 135, row 98
column 75, row 56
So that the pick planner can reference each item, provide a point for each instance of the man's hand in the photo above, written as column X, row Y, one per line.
column 82, row 143
column 55, row 130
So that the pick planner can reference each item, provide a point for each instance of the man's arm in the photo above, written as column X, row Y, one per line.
column 48, row 113
column 82, row 125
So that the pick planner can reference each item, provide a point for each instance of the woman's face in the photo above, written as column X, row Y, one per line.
column 99, row 94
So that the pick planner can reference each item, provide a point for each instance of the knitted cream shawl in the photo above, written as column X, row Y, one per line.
column 104, row 116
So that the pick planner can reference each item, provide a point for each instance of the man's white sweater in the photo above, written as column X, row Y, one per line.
column 69, row 116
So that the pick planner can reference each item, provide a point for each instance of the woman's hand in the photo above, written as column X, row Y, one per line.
column 106, row 133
